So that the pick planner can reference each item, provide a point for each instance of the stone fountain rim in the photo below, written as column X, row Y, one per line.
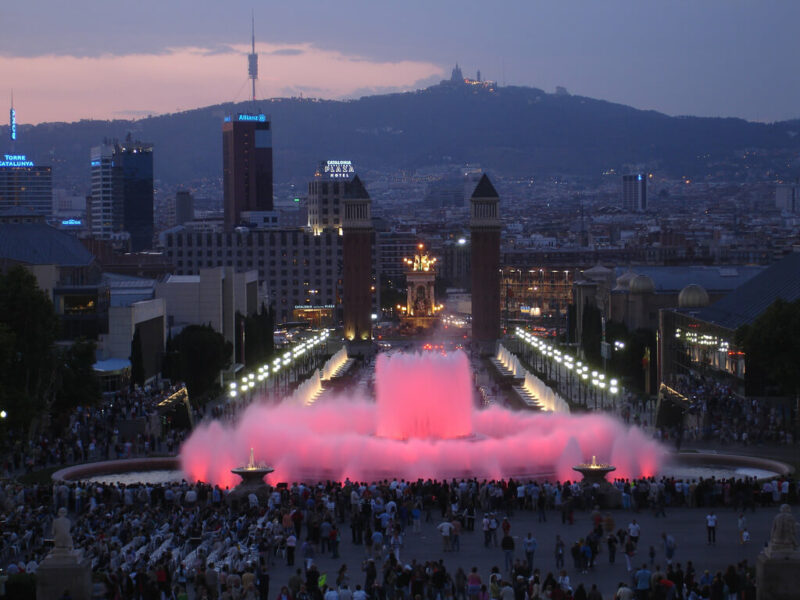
column 84, row 471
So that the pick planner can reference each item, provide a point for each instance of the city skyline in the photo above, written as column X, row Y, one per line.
column 69, row 62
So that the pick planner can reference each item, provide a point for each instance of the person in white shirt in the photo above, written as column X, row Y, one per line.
column 633, row 532
column 331, row 594
column 711, row 528
column 445, row 528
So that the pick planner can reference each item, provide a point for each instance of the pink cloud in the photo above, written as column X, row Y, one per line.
column 67, row 88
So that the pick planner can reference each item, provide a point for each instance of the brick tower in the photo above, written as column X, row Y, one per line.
column 485, row 256
column 357, row 265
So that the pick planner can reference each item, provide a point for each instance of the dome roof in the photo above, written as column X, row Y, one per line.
column 624, row 280
column 597, row 273
column 642, row 284
column 693, row 296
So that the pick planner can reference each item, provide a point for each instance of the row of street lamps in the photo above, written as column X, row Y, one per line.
column 280, row 366
column 575, row 369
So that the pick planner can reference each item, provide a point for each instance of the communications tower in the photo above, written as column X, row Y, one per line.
column 252, row 58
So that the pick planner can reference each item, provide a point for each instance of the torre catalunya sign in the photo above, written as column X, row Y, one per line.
column 16, row 160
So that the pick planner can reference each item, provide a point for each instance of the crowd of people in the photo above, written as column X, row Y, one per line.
column 162, row 541
column 717, row 413
column 124, row 425
column 179, row 540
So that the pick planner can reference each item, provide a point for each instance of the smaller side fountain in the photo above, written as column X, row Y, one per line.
column 252, row 482
column 594, row 472
column 594, row 475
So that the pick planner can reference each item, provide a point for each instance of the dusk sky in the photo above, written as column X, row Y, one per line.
column 68, row 60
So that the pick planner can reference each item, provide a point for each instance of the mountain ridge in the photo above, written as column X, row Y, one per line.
column 514, row 131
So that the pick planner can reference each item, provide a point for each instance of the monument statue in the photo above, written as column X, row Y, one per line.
column 61, row 537
column 64, row 568
column 783, row 537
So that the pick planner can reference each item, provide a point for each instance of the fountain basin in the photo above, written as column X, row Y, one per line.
column 167, row 469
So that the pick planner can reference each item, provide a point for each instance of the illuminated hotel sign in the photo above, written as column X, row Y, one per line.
column 16, row 160
column 313, row 306
column 13, row 124
column 260, row 118
column 338, row 169
column 72, row 222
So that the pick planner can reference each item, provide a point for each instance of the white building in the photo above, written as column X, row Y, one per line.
column 212, row 297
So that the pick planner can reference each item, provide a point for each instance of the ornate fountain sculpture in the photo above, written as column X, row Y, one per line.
column 594, row 472
column 252, row 474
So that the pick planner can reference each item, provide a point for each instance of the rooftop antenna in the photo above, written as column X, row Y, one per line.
column 12, row 122
column 252, row 58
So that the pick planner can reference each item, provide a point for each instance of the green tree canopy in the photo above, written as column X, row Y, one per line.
column 258, row 337
column 591, row 333
column 137, row 360
column 79, row 385
column 200, row 354
column 28, row 326
column 771, row 346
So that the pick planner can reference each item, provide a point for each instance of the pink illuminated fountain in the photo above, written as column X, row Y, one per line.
column 422, row 423
column 426, row 399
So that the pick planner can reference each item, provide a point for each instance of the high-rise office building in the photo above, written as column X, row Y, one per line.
column 104, row 207
column 136, row 169
column 325, row 193
column 246, row 165
column 122, row 193
column 25, row 186
column 184, row 207
column 634, row 193
column 787, row 197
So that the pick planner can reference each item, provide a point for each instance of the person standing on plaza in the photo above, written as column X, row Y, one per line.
column 559, row 552
column 455, row 535
column 493, row 525
column 445, row 529
column 711, row 528
column 630, row 552
column 396, row 543
column 507, row 544
column 742, row 526
column 642, row 581
column 529, row 547
column 487, row 536
column 473, row 584
column 634, row 530
column 612, row 548
column 291, row 544
column 623, row 592
column 669, row 546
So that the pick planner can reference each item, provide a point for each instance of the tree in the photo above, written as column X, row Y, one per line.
column 771, row 345
column 258, row 337
column 78, row 382
column 137, row 360
column 169, row 362
column 30, row 323
column 201, row 354
column 591, row 333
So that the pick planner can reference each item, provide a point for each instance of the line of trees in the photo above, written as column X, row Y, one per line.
column 196, row 356
column 771, row 345
column 40, row 381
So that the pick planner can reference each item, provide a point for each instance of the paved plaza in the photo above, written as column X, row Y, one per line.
column 687, row 525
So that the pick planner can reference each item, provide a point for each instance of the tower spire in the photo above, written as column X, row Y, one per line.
column 12, row 123
column 252, row 58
